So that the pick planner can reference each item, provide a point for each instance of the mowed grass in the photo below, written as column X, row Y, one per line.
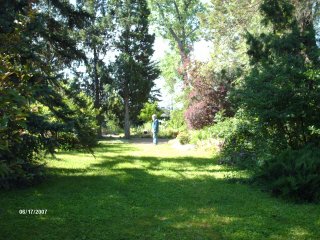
column 141, row 191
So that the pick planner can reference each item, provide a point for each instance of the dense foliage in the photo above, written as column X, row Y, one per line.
column 279, row 99
column 293, row 174
column 282, row 89
column 208, row 95
column 134, row 72
column 258, row 98
column 96, row 40
column 148, row 110
column 38, row 112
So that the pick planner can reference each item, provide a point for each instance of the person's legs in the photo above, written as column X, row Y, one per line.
column 155, row 138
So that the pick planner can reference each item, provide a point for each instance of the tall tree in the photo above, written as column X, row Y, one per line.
column 179, row 22
column 96, row 42
column 282, row 90
column 35, row 48
column 134, row 71
column 226, row 26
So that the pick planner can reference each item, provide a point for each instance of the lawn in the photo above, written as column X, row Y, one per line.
column 140, row 191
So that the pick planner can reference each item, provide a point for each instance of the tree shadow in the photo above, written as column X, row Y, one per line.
column 139, row 203
column 131, row 197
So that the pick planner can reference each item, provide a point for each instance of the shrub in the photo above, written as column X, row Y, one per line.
column 208, row 94
column 238, row 138
column 148, row 110
column 293, row 174
column 200, row 114
column 177, row 121
column 112, row 126
column 144, row 131
column 184, row 137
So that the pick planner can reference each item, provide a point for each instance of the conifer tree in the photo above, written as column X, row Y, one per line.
column 96, row 42
column 35, row 48
column 134, row 71
column 282, row 90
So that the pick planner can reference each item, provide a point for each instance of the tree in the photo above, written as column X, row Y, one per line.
column 36, row 47
column 226, row 25
column 178, row 21
column 282, row 94
column 208, row 95
column 148, row 110
column 134, row 72
column 282, row 88
column 279, row 97
column 96, row 42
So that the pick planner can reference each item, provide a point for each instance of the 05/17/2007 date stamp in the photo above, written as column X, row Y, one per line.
column 33, row 211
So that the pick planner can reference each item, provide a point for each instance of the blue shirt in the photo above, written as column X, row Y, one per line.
column 155, row 126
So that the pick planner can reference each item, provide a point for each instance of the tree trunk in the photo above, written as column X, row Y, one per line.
column 97, row 91
column 126, row 118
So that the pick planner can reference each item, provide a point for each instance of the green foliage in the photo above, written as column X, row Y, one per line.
column 224, row 129
column 142, row 131
column 282, row 90
column 242, row 143
column 169, row 66
column 184, row 137
column 293, row 174
column 35, row 48
column 165, row 131
column 178, row 21
column 134, row 71
column 278, row 104
column 148, row 110
column 177, row 120
column 113, row 127
column 234, row 138
column 226, row 25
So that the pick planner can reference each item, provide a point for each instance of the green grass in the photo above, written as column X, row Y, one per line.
column 141, row 191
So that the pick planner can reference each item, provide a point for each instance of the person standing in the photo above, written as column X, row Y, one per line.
column 155, row 128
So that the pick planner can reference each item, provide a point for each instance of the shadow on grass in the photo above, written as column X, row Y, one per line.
column 130, row 197
column 105, row 146
column 133, row 204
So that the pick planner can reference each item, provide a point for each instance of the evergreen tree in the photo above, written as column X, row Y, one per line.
column 134, row 72
column 35, row 48
column 96, row 43
column 282, row 90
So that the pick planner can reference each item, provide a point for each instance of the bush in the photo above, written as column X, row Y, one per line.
column 294, row 174
column 177, row 121
column 208, row 94
column 199, row 115
column 20, row 174
column 183, row 137
column 232, row 137
column 20, row 166
column 242, row 141
column 112, row 126
column 144, row 131
column 148, row 110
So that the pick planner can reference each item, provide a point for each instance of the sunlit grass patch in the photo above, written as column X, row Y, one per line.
column 142, row 191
